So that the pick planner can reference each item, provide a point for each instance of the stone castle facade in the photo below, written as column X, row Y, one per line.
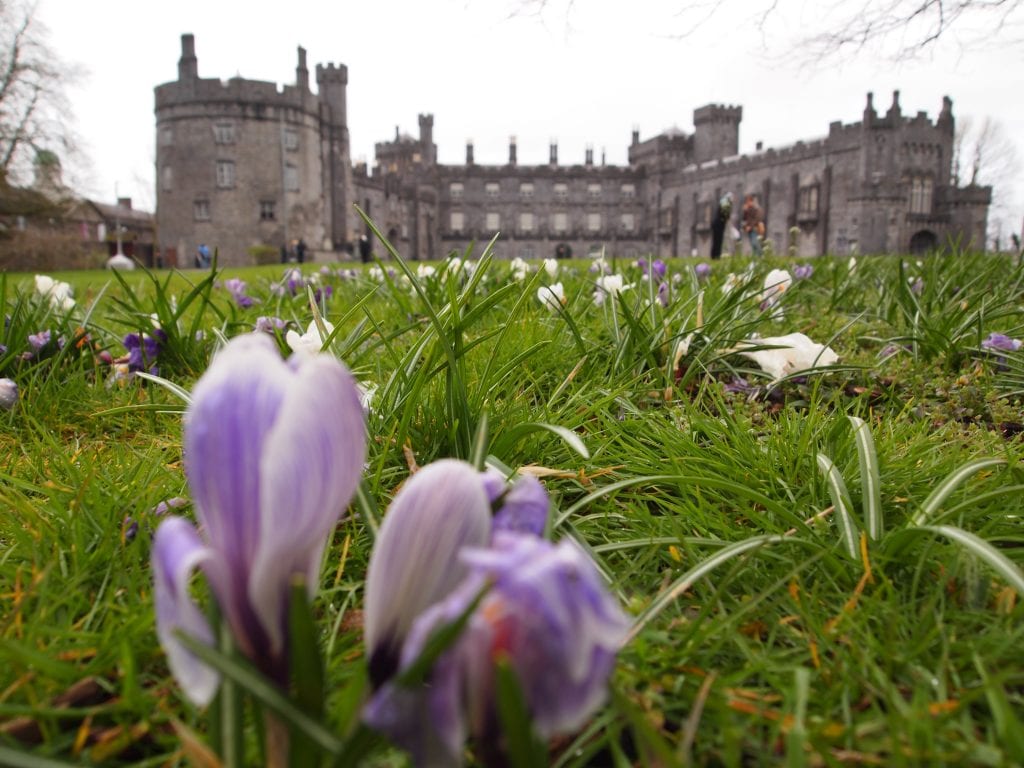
column 248, row 167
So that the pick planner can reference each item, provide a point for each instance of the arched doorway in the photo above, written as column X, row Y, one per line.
column 923, row 241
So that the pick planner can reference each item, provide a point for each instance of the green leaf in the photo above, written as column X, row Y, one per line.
column 870, row 483
column 305, row 666
column 521, row 746
column 842, row 504
column 518, row 432
column 984, row 551
column 699, row 571
column 946, row 487
column 12, row 758
column 256, row 685
column 1009, row 728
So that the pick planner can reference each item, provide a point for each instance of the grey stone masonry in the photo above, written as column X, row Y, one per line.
column 247, row 167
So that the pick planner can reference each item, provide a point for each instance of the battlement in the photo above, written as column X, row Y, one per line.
column 237, row 90
column 717, row 113
column 332, row 73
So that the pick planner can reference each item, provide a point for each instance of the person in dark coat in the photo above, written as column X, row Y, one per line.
column 719, row 221
column 364, row 249
column 300, row 250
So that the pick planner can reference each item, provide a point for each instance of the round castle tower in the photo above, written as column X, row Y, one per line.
column 247, row 167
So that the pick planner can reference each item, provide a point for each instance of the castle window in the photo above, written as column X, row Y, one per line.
column 201, row 210
column 560, row 222
column 526, row 252
column 492, row 188
column 561, row 192
column 457, row 221
column 455, row 190
column 224, row 133
column 628, row 222
column 594, row 191
column 225, row 174
column 492, row 221
column 526, row 222
column 167, row 178
column 166, row 136
column 594, row 222
column 526, row 190
column 921, row 188
column 291, row 139
column 808, row 202
column 628, row 191
column 268, row 210
column 291, row 178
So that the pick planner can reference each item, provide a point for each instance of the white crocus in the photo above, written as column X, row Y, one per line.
column 425, row 271
column 551, row 296
column 57, row 291
column 609, row 286
column 551, row 267
column 310, row 342
column 793, row 353
column 520, row 269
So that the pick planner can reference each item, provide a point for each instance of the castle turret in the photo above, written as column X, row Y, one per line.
column 869, row 110
column 332, row 82
column 894, row 114
column 428, row 150
column 717, row 131
column 188, row 65
column 301, row 72
column 553, row 153
column 511, row 150
column 469, row 153
column 945, row 120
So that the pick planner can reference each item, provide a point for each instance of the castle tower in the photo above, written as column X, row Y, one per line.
column 188, row 64
column 428, row 148
column 332, row 82
column 301, row 72
column 717, row 132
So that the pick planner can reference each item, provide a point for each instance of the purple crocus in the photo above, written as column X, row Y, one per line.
column 238, row 290
column 702, row 270
column 522, row 506
column 39, row 340
column 414, row 564
column 547, row 614
column 1001, row 342
column 268, row 324
column 659, row 268
column 663, row 293
column 273, row 451
column 803, row 271
column 143, row 350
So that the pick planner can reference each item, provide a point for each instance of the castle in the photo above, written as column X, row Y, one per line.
column 249, row 167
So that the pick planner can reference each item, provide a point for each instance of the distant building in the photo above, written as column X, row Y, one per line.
column 249, row 167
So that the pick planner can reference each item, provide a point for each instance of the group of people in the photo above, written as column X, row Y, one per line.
column 294, row 251
column 751, row 222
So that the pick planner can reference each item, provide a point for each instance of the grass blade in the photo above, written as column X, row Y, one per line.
column 870, row 484
column 841, row 502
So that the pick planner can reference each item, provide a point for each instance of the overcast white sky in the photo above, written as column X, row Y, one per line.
column 586, row 75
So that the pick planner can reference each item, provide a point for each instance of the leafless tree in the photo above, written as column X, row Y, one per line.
column 33, row 104
column 894, row 29
column 985, row 154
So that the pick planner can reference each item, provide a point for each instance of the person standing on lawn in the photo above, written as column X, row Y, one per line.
column 753, row 224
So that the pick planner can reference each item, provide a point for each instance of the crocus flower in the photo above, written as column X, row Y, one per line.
column 272, row 451
column 702, row 270
column 663, row 293
column 8, row 394
column 414, row 564
column 547, row 615
column 39, row 340
column 424, row 271
column 793, row 352
column 551, row 267
column 269, row 324
column 776, row 283
column 1001, row 342
column 609, row 286
column 600, row 266
column 175, row 502
column 57, row 291
column 143, row 351
column 310, row 341
column 803, row 271
column 237, row 288
column 520, row 269
column 521, row 507
column 551, row 296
